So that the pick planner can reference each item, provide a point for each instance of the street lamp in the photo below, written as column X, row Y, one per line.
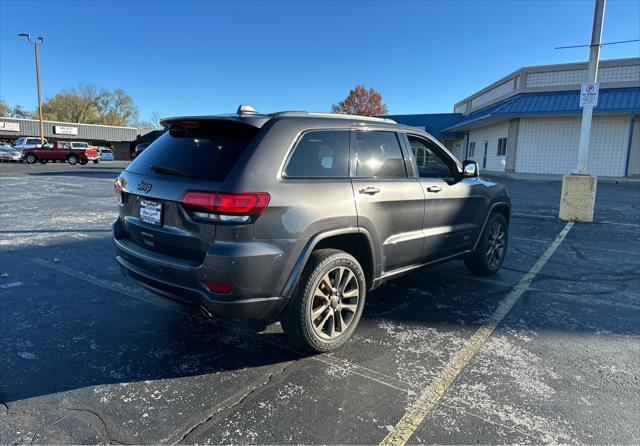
column 36, row 43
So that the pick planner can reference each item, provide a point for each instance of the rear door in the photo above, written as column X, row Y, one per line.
column 453, row 207
column 389, row 203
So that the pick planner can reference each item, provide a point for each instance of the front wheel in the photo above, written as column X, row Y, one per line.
column 327, row 303
column 488, row 256
column 73, row 160
column 31, row 159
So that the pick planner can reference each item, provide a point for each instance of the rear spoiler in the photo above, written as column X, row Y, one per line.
column 256, row 121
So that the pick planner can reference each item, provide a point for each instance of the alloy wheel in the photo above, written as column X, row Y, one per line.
column 335, row 303
column 496, row 244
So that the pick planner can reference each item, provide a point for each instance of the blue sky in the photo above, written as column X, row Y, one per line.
column 199, row 57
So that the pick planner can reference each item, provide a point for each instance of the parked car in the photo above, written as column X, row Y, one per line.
column 147, row 139
column 10, row 153
column 105, row 154
column 295, row 216
column 62, row 151
column 140, row 148
column 29, row 142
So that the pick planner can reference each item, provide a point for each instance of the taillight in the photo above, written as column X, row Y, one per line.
column 219, row 287
column 224, row 206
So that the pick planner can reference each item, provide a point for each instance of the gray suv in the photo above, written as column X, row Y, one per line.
column 295, row 216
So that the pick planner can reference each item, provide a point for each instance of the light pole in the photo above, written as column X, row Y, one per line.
column 36, row 43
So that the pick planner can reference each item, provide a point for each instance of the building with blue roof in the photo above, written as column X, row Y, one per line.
column 529, row 121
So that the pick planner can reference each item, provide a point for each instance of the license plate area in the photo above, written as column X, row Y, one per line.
column 151, row 212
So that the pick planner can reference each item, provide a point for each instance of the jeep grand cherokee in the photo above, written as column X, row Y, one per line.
column 295, row 216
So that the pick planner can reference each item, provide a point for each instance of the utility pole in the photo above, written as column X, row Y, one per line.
column 592, row 78
column 578, row 196
column 36, row 43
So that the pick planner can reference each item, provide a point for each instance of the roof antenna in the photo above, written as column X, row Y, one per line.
column 245, row 109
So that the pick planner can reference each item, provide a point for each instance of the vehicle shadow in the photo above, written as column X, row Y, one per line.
column 83, row 324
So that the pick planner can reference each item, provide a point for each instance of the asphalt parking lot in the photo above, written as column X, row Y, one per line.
column 547, row 351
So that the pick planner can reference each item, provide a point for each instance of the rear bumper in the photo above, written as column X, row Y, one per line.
column 257, row 308
column 184, row 280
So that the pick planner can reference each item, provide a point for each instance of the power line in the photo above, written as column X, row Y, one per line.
column 602, row 44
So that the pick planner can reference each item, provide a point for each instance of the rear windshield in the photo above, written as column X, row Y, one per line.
column 202, row 150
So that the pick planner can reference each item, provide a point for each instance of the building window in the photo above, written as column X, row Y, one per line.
column 472, row 150
column 502, row 146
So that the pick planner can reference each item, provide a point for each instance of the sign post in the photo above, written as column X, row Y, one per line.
column 578, row 198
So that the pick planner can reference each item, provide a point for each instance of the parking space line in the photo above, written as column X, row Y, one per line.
column 348, row 366
column 557, row 219
column 431, row 396
column 546, row 242
column 586, row 299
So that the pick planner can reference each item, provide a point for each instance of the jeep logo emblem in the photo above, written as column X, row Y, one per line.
column 145, row 187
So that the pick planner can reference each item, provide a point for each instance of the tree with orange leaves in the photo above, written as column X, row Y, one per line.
column 361, row 101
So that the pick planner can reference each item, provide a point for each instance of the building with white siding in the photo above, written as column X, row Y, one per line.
column 529, row 121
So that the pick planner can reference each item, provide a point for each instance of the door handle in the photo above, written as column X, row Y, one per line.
column 434, row 189
column 370, row 190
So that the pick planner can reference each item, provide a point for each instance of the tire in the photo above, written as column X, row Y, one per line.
column 335, row 306
column 95, row 161
column 31, row 159
column 73, row 160
column 488, row 256
column 82, row 163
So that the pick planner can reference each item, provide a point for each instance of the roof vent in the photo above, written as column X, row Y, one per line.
column 245, row 109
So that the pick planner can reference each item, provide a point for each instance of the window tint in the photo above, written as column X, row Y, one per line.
column 320, row 154
column 378, row 155
column 431, row 162
column 203, row 150
column 33, row 141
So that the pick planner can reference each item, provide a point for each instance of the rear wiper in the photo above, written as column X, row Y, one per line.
column 170, row 171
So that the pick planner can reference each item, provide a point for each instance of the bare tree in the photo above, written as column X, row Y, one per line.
column 154, row 117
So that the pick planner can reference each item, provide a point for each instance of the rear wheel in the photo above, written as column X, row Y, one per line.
column 492, row 247
column 327, row 303
column 82, row 163
column 31, row 159
column 73, row 160
column 95, row 161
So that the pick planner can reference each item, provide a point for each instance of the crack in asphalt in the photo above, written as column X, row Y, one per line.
column 228, row 404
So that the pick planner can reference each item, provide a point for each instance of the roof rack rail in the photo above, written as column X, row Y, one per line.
column 333, row 116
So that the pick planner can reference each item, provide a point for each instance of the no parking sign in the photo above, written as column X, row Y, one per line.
column 589, row 95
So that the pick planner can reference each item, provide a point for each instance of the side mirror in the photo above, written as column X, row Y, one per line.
column 470, row 169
